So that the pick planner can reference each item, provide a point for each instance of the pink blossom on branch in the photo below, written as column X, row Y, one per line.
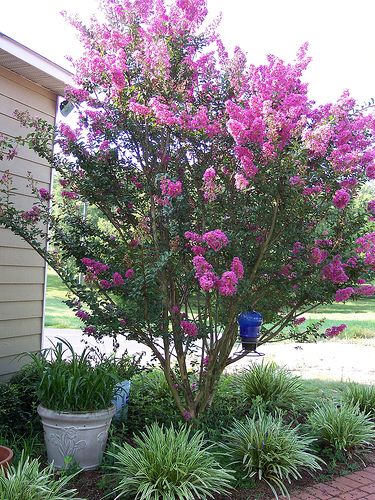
column 208, row 281
column 365, row 290
column 334, row 271
column 237, row 268
column 341, row 199
column 215, row 239
column 171, row 188
column 344, row 294
column 189, row 328
column 335, row 330
column 227, row 285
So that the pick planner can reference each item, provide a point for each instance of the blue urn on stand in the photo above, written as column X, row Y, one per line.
column 250, row 323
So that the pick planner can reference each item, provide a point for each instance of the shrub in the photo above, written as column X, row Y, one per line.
column 27, row 481
column 341, row 427
column 76, row 383
column 272, row 388
column 361, row 395
column 227, row 405
column 268, row 450
column 170, row 464
column 151, row 401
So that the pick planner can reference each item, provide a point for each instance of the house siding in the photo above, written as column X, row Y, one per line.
column 22, row 270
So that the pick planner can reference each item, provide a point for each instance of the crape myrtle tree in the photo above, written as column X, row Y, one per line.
column 223, row 186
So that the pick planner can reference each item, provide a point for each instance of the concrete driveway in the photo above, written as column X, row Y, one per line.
column 331, row 360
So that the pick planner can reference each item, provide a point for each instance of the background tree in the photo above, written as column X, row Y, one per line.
column 223, row 186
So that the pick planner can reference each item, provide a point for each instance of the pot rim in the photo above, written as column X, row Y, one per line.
column 42, row 410
column 9, row 457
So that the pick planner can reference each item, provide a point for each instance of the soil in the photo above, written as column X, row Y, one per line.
column 90, row 484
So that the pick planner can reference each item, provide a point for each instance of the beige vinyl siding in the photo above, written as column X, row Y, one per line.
column 22, row 270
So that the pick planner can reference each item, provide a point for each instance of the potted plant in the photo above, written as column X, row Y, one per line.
column 75, row 394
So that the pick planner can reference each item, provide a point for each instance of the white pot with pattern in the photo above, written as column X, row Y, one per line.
column 79, row 436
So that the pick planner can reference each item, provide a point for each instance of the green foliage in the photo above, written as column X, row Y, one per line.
column 18, row 402
column 26, row 481
column 361, row 395
column 169, row 463
column 266, row 449
column 227, row 405
column 127, row 366
column 31, row 444
column 341, row 427
column 272, row 388
column 79, row 383
column 151, row 401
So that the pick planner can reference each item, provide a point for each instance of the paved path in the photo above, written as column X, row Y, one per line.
column 329, row 360
column 359, row 485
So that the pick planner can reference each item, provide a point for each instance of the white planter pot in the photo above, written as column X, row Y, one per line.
column 82, row 436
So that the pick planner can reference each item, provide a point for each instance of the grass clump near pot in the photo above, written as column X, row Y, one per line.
column 70, row 382
column 170, row 464
column 272, row 387
column 361, row 395
column 265, row 449
column 27, row 481
column 343, row 428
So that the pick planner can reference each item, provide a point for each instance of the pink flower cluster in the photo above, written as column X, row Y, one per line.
column 216, row 240
column 44, row 194
column 189, row 328
column 365, row 290
column 227, row 284
column 335, row 330
column 83, row 315
column 209, row 185
column 371, row 207
column 344, row 294
column 299, row 321
column 70, row 195
column 366, row 248
column 89, row 330
column 334, row 271
column 33, row 214
column 170, row 188
column 93, row 266
column 318, row 256
column 208, row 280
column 341, row 199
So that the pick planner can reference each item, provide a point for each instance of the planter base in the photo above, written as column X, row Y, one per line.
column 78, row 436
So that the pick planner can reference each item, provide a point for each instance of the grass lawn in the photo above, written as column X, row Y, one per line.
column 359, row 316
column 58, row 314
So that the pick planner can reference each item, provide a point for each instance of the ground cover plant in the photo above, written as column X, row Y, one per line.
column 361, row 395
column 266, row 449
column 29, row 481
column 342, row 427
column 170, row 464
column 222, row 187
column 272, row 387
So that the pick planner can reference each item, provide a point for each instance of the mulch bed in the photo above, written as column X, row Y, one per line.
column 88, row 484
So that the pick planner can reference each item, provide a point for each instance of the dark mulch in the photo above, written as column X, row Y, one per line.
column 92, row 486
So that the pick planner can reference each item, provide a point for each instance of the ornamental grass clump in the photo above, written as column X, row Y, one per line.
column 361, row 395
column 27, row 481
column 265, row 449
column 272, row 387
column 343, row 428
column 170, row 464
column 72, row 382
